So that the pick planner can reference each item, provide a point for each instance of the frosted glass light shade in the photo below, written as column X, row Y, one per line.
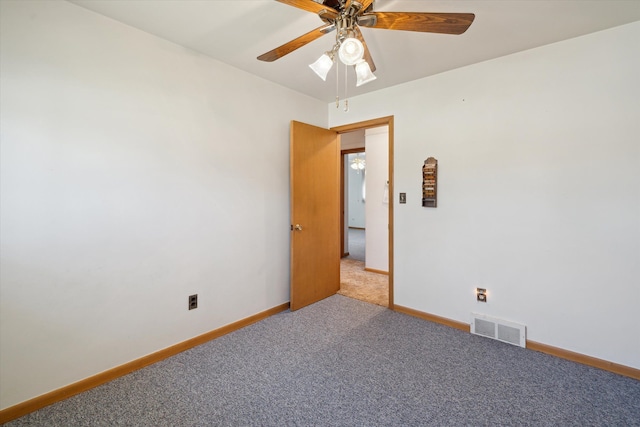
column 358, row 163
column 351, row 51
column 322, row 66
column 364, row 73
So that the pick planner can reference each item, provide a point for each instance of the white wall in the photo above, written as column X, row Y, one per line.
column 377, row 211
column 134, row 173
column 352, row 140
column 539, row 191
column 349, row 141
column 356, row 200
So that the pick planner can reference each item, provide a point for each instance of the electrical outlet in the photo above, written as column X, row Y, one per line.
column 481, row 295
column 193, row 301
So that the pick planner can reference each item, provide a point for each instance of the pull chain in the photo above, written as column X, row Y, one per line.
column 346, row 99
column 337, row 85
column 346, row 84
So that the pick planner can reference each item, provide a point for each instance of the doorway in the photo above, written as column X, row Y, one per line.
column 316, row 206
column 366, row 210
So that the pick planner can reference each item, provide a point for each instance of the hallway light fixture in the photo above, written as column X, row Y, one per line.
column 358, row 164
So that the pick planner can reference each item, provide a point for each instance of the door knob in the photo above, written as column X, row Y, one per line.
column 298, row 227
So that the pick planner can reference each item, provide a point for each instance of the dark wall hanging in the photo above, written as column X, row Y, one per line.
column 430, row 183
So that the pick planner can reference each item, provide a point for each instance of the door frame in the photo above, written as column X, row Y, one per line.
column 367, row 124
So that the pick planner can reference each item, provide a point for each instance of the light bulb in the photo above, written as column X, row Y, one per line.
column 358, row 164
column 351, row 51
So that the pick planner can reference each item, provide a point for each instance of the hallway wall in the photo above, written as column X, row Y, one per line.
column 355, row 184
column 377, row 210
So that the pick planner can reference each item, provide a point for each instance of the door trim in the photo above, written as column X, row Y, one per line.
column 374, row 123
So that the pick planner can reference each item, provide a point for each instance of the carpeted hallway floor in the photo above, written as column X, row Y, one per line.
column 357, row 283
column 363, row 285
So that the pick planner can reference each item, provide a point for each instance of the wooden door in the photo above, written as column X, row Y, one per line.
column 315, row 214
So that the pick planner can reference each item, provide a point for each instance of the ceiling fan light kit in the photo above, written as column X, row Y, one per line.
column 351, row 51
column 322, row 65
column 345, row 17
column 363, row 73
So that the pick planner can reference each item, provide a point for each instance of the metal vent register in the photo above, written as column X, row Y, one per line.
column 498, row 329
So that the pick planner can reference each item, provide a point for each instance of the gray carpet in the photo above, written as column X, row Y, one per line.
column 343, row 362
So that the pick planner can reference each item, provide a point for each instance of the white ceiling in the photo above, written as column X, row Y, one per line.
column 237, row 31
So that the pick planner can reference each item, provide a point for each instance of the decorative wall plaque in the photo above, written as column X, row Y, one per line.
column 430, row 183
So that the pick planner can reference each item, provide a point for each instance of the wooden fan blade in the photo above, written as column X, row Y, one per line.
column 294, row 44
column 367, row 55
column 444, row 23
column 308, row 5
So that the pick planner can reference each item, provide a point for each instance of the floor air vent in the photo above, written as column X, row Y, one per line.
column 498, row 329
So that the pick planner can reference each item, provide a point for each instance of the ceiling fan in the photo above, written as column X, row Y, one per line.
column 346, row 16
